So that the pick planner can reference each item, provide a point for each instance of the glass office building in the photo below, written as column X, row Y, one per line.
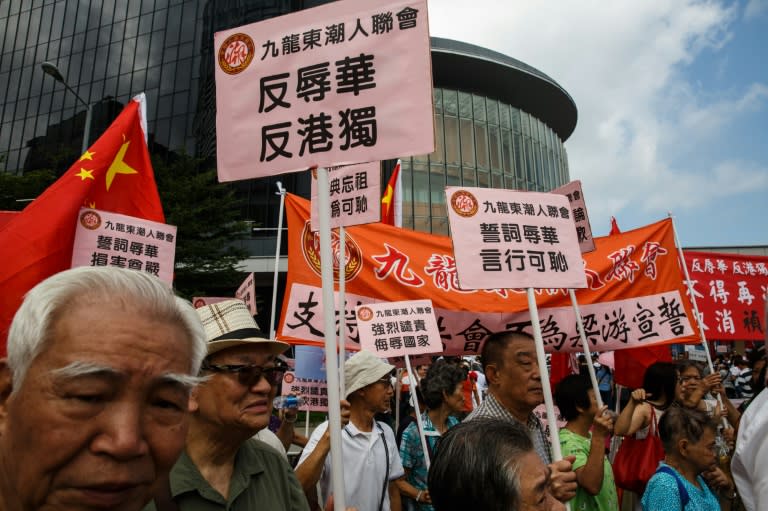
column 498, row 121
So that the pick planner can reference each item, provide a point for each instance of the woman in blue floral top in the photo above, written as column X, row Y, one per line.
column 689, row 444
column 442, row 393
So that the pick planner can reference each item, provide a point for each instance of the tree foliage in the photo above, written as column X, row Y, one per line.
column 16, row 190
column 206, row 214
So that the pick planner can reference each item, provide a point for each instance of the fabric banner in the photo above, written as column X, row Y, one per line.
column 635, row 294
column 730, row 294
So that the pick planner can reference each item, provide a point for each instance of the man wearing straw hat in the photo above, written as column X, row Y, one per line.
column 371, row 459
column 222, row 467
column 514, row 391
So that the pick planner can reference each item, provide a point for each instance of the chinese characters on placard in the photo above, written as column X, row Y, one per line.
column 103, row 238
column 730, row 290
column 609, row 325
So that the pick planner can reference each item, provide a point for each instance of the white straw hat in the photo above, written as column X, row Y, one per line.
column 229, row 323
column 362, row 369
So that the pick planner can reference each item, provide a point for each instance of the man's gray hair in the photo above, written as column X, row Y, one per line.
column 478, row 465
column 47, row 301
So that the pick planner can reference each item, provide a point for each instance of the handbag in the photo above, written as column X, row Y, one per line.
column 637, row 459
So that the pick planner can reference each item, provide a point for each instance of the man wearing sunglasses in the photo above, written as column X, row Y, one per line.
column 222, row 467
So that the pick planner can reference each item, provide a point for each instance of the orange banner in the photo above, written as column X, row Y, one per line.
column 636, row 295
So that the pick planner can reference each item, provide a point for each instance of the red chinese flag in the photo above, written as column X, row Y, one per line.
column 114, row 174
column 391, row 202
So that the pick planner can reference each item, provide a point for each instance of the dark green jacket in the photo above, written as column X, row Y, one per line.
column 262, row 479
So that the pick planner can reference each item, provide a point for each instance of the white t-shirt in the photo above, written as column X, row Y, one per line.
column 268, row 437
column 750, row 459
column 364, row 463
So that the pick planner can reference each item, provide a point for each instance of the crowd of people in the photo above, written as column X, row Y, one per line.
column 118, row 395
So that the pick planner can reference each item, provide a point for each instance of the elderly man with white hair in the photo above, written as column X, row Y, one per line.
column 95, row 391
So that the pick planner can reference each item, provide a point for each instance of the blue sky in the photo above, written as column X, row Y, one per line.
column 672, row 99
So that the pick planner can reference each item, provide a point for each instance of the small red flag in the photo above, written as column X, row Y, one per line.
column 562, row 365
column 631, row 364
column 391, row 202
column 614, row 227
column 114, row 174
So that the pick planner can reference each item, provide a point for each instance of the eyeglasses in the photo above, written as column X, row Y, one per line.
column 249, row 375
column 386, row 381
column 686, row 379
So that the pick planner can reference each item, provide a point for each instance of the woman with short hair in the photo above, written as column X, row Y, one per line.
column 688, row 437
column 443, row 394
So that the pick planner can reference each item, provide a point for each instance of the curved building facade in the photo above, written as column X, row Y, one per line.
column 498, row 122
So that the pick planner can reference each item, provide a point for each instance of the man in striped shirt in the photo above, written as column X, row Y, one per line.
column 514, row 391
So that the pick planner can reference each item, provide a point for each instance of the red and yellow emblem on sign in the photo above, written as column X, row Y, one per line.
column 464, row 203
column 90, row 220
column 236, row 53
column 353, row 256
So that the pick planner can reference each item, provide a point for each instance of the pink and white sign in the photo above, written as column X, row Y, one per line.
column 247, row 293
column 344, row 82
column 579, row 214
column 608, row 325
column 392, row 329
column 315, row 392
column 202, row 301
column 508, row 239
column 355, row 195
column 108, row 239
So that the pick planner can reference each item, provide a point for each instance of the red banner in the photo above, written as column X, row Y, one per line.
column 730, row 294
column 635, row 294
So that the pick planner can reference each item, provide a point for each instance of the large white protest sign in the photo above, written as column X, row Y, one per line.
column 355, row 195
column 108, row 239
column 579, row 214
column 391, row 329
column 345, row 82
column 509, row 239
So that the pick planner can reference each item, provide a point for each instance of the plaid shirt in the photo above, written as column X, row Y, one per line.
column 490, row 407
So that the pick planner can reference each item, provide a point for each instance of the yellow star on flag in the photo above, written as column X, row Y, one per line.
column 85, row 174
column 87, row 155
column 118, row 166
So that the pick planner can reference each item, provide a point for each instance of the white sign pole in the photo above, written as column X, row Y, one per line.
column 281, row 193
column 331, row 354
column 554, row 435
column 342, row 306
column 585, row 345
column 415, row 403
column 699, row 320
column 542, row 359
column 398, row 390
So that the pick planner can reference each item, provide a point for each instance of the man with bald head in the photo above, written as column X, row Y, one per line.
column 94, row 393
column 514, row 391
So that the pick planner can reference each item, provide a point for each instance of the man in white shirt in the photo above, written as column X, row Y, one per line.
column 371, row 459
column 750, row 459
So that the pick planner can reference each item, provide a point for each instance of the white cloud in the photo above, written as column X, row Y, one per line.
column 624, row 63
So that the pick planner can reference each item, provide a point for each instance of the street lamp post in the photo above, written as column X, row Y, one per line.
column 51, row 69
